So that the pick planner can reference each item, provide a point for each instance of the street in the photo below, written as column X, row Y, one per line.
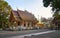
column 55, row 34
column 4, row 34
column 32, row 34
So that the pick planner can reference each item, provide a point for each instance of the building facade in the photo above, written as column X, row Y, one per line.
column 22, row 20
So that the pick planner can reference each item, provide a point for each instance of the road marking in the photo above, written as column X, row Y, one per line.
column 22, row 36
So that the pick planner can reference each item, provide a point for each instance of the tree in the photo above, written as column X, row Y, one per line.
column 5, row 10
column 55, row 4
column 43, row 19
column 56, row 20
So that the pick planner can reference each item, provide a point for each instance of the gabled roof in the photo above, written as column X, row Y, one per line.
column 16, row 15
column 23, row 15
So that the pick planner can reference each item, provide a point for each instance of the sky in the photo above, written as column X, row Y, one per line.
column 33, row 6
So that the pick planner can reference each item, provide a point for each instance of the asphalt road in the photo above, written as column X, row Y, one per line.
column 31, row 34
column 55, row 34
column 5, row 34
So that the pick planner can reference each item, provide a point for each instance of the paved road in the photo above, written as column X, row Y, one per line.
column 5, row 34
column 55, row 34
column 31, row 34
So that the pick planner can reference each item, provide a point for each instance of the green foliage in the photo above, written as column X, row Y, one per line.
column 5, row 10
column 46, row 3
column 55, row 4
